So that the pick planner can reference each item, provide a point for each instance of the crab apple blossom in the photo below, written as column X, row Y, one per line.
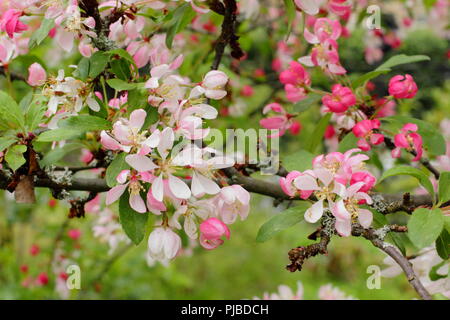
column 282, row 122
column 324, row 29
column 163, row 244
column 211, row 232
column 325, row 55
column 410, row 140
column 309, row 6
column 10, row 22
column 364, row 130
column 346, row 209
column 36, row 75
column 133, row 182
column 126, row 136
column 213, row 85
column 233, row 201
column 403, row 87
column 340, row 100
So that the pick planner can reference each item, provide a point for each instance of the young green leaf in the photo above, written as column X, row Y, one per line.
column 306, row 103
column 425, row 226
column 40, row 34
column 281, row 221
column 97, row 63
column 133, row 223
column 57, row 154
column 120, row 85
column 84, row 123
column 401, row 59
column 10, row 113
column 59, row 135
column 318, row 133
column 182, row 16
column 114, row 168
column 444, row 187
column 443, row 245
column 14, row 156
column 410, row 171
column 300, row 160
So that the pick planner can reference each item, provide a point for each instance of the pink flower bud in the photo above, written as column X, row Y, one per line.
column 42, row 279
column 402, row 87
column 213, row 228
column 10, row 22
column 36, row 75
column 74, row 234
column 363, row 176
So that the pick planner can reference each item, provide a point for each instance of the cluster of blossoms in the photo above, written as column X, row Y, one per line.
column 339, row 184
column 169, row 176
column 326, row 292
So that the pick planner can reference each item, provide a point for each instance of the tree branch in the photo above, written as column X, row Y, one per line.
column 372, row 235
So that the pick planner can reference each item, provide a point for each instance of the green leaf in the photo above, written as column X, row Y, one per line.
column 306, row 103
column 137, row 99
column 360, row 81
column 14, row 156
column 121, row 69
column 57, row 154
column 122, row 54
column 26, row 101
column 447, row 223
column 433, row 140
column 290, row 12
column 97, row 63
column 300, row 160
column 6, row 141
column 318, row 133
column 152, row 116
column 444, row 187
column 281, row 221
column 83, row 68
column 114, row 168
column 133, row 223
column 120, row 85
column 410, row 171
column 34, row 113
column 10, row 113
column 59, row 135
column 443, row 245
column 349, row 142
column 433, row 272
column 84, row 123
column 182, row 16
column 425, row 226
column 40, row 34
column 401, row 59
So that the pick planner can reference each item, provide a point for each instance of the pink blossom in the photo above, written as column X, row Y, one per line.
column 287, row 186
column 410, row 140
column 347, row 209
column 326, row 56
column 211, row 232
column 320, row 181
column 213, row 85
column 364, row 131
column 309, row 6
column 295, row 75
column 247, row 91
column 324, row 29
column 233, row 201
column 340, row 7
column 340, row 100
column 10, row 22
column 134, row 186
column 282, row 122
column 402, row 87
column 163, row 244
column 36, row 75
column 74, row 234
column 363, row 176
column 42, row 279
